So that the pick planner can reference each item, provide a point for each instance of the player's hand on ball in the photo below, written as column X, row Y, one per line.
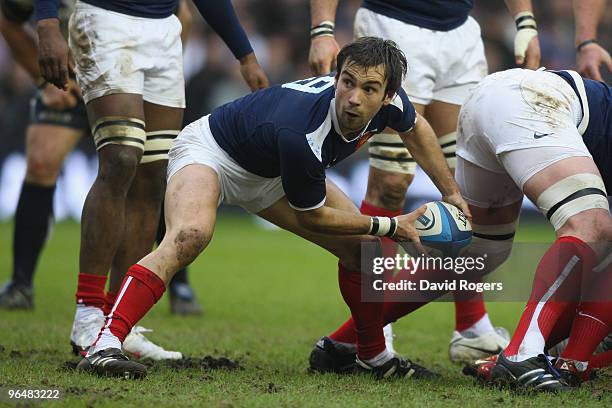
column 322, row 54
column 407, row 233
column 590, row 58
column 252, row 72
column 457, row 200
column 53, row 54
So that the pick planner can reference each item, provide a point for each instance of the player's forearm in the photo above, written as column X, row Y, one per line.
column 517, row 6
column 332, row 221
column 587, row 14
column 186, row 18
column 425, row 149
column 22, row 46
column 221, row 16
column 322, row 10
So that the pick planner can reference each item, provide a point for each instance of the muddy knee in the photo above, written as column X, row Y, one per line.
column 189, row 242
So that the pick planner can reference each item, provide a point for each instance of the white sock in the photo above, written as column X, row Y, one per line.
column 380, row 359
column 482, row 326
column 106, row 340
column 86, row 312
column 388, row 331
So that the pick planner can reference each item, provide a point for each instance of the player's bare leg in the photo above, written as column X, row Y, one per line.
column 46, row 148
column 118, row 129
column 191, row 204
column 142, row 212
column 103, row 218
column 144, row 199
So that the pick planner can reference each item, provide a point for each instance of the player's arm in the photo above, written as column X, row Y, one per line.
column 186, row 18
column 323, row 45
column 23, row 48
column 589, row 54
column 424, row 147
column 19, row 41
column 526, row 43
column 303, row 178
column 53, row 52
column 221, row 16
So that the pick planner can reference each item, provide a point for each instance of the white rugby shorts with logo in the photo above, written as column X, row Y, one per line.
column 442, row 66
column 197, row 145
column 514, row 124
column 118, row 53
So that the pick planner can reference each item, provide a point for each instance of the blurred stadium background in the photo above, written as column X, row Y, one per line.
column 278, row 30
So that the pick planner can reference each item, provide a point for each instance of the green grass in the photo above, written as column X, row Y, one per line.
column 267, row 296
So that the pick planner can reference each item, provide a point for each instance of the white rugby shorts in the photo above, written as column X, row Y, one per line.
column 117, row 53
column 442, row 65
column 518, row 122
column 196, row 145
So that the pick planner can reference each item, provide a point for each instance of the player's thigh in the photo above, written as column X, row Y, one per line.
column 191, row 202
column 346, row 248
column 572, row 195
column 46, row 148
column 493, row 197
column 163, row 124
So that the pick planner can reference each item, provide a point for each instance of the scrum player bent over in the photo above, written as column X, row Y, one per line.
column 545, row 134
column 268, row 152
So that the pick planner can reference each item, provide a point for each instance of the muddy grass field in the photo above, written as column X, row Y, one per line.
column 268, row 296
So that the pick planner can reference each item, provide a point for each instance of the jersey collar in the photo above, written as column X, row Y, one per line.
column 334, row 117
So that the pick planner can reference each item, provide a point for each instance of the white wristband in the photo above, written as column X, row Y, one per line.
column 383, row 226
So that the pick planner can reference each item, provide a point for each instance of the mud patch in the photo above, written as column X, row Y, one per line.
column 202, row 363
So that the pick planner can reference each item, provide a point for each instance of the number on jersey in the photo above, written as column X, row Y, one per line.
column 311, row 85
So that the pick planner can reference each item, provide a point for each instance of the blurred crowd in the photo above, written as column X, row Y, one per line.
column 279, row 33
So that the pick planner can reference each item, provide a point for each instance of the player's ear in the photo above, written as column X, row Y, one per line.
column 388, row 98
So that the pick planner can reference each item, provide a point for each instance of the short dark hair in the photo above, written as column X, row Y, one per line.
column 369, row 52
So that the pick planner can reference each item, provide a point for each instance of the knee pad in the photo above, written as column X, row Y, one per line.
column 572, row 195
column 388, row 152
column 448, row 144
column 494, row 242
column 119, row 130
column 157, row 145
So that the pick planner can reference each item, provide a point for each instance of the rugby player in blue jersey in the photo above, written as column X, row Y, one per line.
column 129, row 67
column 447, row 58
column 268, row 152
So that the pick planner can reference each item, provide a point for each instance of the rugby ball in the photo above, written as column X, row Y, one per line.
column 443, row 229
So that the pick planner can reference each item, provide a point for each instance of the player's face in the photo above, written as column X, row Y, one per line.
column 360, row 93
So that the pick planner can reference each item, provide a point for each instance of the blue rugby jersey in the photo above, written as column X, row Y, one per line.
column 438, row 15
column 596, row 125
column 292, row 131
